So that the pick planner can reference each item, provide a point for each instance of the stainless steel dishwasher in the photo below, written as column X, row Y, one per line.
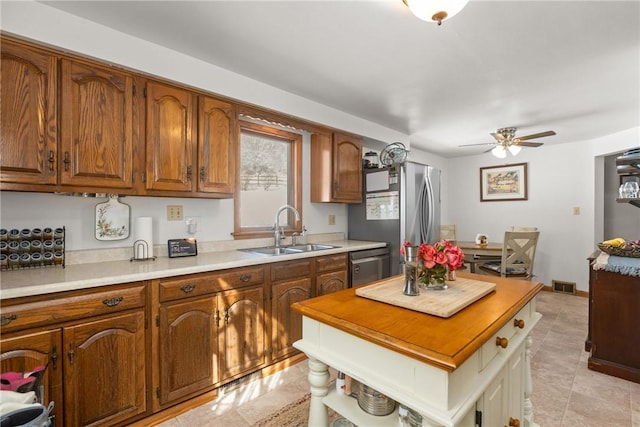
column 368, row 266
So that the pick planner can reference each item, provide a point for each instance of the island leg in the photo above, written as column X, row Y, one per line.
column 319, row 381
column 528, row 384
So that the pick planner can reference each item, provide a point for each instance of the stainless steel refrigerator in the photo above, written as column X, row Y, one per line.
column 400, row 202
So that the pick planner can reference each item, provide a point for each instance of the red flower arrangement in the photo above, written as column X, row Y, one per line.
column 436, row 260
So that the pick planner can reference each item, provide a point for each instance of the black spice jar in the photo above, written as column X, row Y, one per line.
column 47, row 233
column 36, row 234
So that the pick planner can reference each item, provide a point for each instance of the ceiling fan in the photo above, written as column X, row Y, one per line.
column 506, row 140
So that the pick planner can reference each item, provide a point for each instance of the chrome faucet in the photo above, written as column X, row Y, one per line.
column 279, row 234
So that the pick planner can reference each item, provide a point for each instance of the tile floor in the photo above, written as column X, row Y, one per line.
column 565, row 392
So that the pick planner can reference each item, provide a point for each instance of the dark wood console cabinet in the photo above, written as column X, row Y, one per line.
column 614, row 316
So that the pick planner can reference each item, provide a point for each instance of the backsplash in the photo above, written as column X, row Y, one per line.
column 88, row 256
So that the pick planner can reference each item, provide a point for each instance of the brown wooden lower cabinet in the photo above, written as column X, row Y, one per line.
column 188, row 348
column 104, row 370
column 95, row 371
column 118, row 354
column 242, row 332
column 26, row 351
column 614, row 315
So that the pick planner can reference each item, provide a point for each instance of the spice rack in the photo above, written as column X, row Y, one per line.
column 32, row 248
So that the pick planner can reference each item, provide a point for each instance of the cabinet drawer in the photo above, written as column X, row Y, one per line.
column 202, row 284
column 490, row 349
column 70, row 306
column 331, row 262
column 290, row 270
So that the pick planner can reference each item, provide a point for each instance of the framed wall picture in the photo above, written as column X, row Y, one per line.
column 500, row 183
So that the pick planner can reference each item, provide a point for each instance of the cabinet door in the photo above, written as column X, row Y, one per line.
column 170, row 141
column 327, row 283
column 516, row 385
column 188, row 348
column 495, row 401
column 104, row 371
column 217, row 138
column 347, row 168
column 242, row 332
column 286, row 323
column 96, row 135
column 25, row 352
column 28, row 141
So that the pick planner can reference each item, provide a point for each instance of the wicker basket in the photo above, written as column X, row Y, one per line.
column 620, row 251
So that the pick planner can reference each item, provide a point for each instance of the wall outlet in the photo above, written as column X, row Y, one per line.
column 174, row 212
column 332, row 220
column 192, row 224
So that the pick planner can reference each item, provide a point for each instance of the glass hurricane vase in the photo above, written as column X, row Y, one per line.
column 434, row 278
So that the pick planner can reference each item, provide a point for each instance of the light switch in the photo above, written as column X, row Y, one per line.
column 174, row 212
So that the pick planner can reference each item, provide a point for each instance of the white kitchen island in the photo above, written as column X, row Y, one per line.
column 454, row 371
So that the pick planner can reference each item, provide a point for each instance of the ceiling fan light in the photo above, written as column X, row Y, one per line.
column 499, row 151
column 435, row 10
column 514, row 149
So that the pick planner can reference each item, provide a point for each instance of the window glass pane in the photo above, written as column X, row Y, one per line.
column 265, row 170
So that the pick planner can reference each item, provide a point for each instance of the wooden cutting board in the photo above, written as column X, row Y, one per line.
column 442, row 303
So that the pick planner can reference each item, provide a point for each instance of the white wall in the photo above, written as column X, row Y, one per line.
column 560, row 178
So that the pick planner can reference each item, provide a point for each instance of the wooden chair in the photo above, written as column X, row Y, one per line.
column 448, row 232
column 516, row 228
column 518, row 254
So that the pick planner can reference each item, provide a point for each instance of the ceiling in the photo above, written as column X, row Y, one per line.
column 568, row 66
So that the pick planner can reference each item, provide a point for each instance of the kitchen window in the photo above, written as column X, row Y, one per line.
column 270, row 176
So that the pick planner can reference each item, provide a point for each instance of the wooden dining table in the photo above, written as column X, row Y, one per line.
column 475, row 253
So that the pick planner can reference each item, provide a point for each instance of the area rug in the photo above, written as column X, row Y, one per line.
column 295, row 414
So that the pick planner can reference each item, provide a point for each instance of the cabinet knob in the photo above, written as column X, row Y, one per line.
column 518, row 323
column 502, row 342
column 112, row 302
column 5, row 320
column 245, row 278
column 66, row 161
column 188, row 288
column 51, row 160
column 514, row 422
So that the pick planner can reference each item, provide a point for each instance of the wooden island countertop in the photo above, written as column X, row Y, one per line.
column 442, row 342
column 456, row 371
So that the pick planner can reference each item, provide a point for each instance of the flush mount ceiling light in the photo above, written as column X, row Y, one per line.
column 435, row 10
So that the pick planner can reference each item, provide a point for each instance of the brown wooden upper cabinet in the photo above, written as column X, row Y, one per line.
column 217, row 142
column 96, row 126
column 28, row 141
column 336, row 168
column 170, row 131
column 190, row 141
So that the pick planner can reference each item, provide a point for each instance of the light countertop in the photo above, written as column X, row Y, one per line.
column 47, row 280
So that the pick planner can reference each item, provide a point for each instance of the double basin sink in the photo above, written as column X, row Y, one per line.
column 288, row 250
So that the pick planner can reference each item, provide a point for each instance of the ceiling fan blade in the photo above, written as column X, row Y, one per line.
column 528, row 144
column 536, row 135
column 482, row 143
